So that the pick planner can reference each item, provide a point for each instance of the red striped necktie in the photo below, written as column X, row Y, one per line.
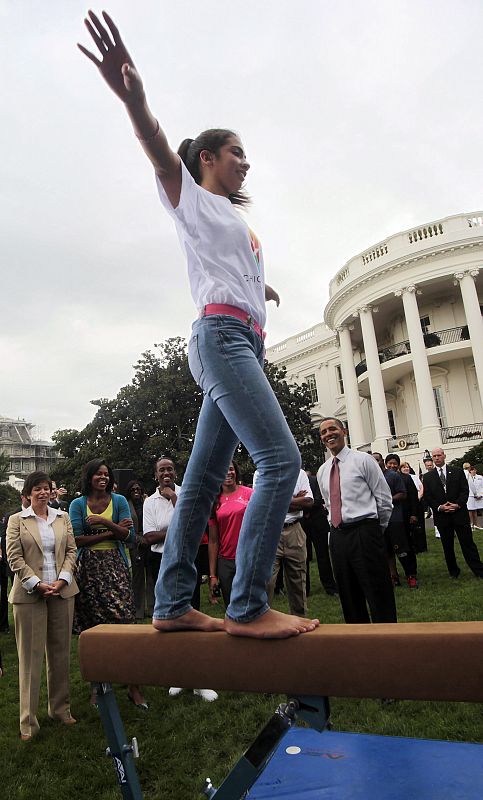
column 334, row 493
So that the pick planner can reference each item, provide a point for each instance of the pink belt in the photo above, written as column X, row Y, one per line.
column 232, row 311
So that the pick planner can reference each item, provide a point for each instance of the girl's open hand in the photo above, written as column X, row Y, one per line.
column 116, row 67
column 271, row 294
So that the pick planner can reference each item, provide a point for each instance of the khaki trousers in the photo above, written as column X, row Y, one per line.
column 292, row 550
column 43, row 626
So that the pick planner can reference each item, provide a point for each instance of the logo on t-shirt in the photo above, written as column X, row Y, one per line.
column 256, row 247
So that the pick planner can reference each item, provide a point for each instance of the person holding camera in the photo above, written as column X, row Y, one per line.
column 224, row 531
column 56, row 496
column 139, row 550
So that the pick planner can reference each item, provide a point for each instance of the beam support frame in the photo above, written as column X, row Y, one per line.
column 314, row 711
column 122, row 753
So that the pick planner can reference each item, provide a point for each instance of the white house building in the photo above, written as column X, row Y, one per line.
column 25, row 452
column 399, row 355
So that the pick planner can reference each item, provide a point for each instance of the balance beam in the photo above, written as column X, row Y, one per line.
column 406, row 661
column 414, row 661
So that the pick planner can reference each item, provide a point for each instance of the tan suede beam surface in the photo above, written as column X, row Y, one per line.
column 418, row 661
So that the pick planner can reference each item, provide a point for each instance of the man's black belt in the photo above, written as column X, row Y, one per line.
column 346, row 526
column 289, row 524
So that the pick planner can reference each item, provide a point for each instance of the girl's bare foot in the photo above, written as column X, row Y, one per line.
column 191, row 621
column 271, row 625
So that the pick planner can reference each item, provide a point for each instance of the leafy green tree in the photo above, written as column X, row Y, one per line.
column 4, row 466
column 9, row 499
column 156, row 415
column 474, row 456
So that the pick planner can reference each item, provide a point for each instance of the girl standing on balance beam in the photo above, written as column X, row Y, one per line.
column 199, row 187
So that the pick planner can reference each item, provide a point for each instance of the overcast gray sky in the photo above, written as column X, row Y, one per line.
column 359, row 119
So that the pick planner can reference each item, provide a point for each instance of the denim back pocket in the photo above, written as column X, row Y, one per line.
column 194, row 360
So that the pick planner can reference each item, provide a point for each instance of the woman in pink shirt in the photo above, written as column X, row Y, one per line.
column 224, row 530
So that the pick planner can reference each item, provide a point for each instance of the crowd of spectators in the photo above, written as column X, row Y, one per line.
column 96, row 561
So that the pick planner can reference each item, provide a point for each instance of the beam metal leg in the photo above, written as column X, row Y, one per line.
column 119, row 750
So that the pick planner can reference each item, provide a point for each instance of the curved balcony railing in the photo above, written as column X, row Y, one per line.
column 448, row 336
column 460, row 227
column 403, row 441
column 471, row 431
column 432, row 339
column 394, row 351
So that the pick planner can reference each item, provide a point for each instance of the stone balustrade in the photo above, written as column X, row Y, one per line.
column 406, row 244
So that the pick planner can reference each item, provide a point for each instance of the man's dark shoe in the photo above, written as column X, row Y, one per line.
column 455, row 574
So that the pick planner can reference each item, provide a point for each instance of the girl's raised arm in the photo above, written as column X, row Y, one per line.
column 118, row 70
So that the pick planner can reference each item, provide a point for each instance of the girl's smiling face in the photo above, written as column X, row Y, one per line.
column 227, row 168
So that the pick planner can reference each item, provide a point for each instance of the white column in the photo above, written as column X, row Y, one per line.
column 376, row 385
column 351, row 388
column 474, row 319
column 430, row 432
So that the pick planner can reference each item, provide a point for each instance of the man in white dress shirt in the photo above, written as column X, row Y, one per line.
column 360, row 505
column 292, row 549
column 158, row 510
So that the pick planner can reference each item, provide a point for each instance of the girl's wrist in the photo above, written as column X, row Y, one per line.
column 136, row 101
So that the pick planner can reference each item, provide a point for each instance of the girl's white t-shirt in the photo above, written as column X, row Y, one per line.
column 225, row 260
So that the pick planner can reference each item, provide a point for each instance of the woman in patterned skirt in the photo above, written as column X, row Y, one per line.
column 102, row 526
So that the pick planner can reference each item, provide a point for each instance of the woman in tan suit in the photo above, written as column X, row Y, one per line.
column 41, row 552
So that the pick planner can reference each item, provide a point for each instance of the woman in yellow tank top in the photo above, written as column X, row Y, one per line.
column 102, row 526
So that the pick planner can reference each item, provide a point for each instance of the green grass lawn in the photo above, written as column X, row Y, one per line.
column 183, row 740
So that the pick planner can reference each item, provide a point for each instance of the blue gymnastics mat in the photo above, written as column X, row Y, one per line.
column 350, row 766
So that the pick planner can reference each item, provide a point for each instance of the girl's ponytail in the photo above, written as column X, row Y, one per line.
column 183, row 149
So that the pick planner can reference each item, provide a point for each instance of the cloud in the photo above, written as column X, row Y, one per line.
column 358, row 119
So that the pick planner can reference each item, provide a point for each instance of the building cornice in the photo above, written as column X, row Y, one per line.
column 275, row 358
column 401, row 263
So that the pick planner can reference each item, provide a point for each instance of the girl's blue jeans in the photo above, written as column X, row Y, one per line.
column 226, row 359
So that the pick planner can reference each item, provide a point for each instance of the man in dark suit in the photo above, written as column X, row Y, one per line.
column 446, row 491
column 56, row 498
